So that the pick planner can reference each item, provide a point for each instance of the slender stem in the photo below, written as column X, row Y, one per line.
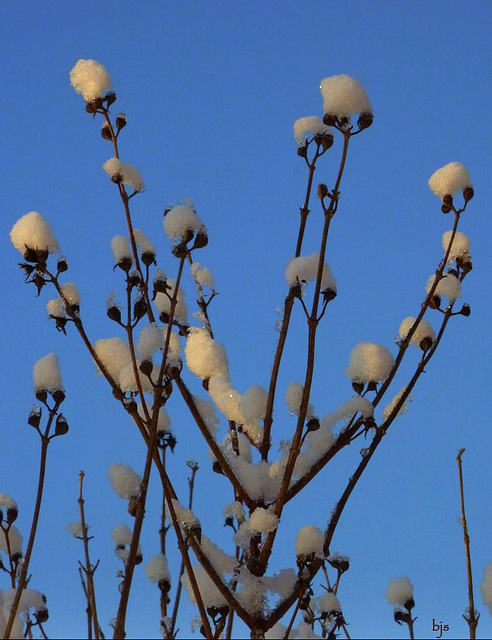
column 88, row 609
column 471, row 617
column 179, row 588
column 89, row 568
column 37, row 509
column 410, row 627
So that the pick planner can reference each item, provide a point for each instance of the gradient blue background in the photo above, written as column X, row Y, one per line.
column 211, row 91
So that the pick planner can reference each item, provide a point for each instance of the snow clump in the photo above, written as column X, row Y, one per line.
column 388, row 410
column 293, row 398
column 90, row 79
column 369, row 362
column 121, row 249
column 449, row 287
column 47, row 374
column 181, row 219
column 75, row 529
column 157, row 570
column 70, row 293
column 310, row 124
column 125, row 481
column 204, row 356
column 486, row 586
column 449, row 179
column 114, row 354
column 124, row 172
column 33, row 232
column 202, row 275
column 263, row 520
column 423, row 330
column 460, row 246
column 253, row 403
column 303, row 269
column 399, row 591
column 310, row 541
column 343, row 95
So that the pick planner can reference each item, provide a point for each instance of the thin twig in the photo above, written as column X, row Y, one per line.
column 471, row 616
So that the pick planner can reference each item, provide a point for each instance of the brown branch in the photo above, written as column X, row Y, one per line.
column 89, row 569
column 471, row 616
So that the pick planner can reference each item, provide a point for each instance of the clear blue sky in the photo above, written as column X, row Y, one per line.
column 211, row 90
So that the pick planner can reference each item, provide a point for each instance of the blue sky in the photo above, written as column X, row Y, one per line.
column 211, row 91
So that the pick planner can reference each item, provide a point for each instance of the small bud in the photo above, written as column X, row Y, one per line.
column 302, row 151
column 114, row 313
column 435, row 302
column 201, row 240
column 468, row 193
column 117, row 178
column 180, row 250
column 426, row 343
column 448, row 199
column 466, row 310
column 453, row 272
column 372, row 386
column 322, row 190
column 409, row 604
column 58, row 396
column 146, row 367
column 39, row 282
column 134, row 279
column 160, row 286
column 312, row 425
column 125, row 264
column 327, row 140
column 34, row 418
column 148, row 258
column 61, row 425
column 139, row 309
column 93, row 105
column 121, row 121
column 129, row 403
column 464, row 263
column 445, row 208
column 139, row 558
column 217, row 468
column 172, row 371
column 229, row 522
column 12, row 514
column 110, row 98
column 329, row 295
column 106, row 131
column 329, row 119
column 358, row 387
column 62, row 264
column 41, row 616
column 365, row 120
column 42, row 395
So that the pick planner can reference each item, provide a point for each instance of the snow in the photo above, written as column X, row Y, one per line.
column 157, row 570
column 404, row 408
column 343, row 95
column 204, row 356
column 181, row 219
column 263, row 520
column 47, row 374
column 423, row 330
column 459, row 248
column 114, row 354
column 90, row 79
column 399, row 591
column 369, row 362
column 449, row 287
column 124, row 480
column 310, row 124
column 124, row 172
column 309, row 541
column 303, row 269
column 121, row 249
column 449, row 179
column 34, row 232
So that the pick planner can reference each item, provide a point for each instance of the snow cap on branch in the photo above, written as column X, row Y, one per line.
column 47, row 374
column 15, row 541
column 124, row 172
column 460, row 246
column 33, row 232
column 369, row 362
column 30, row 599
column 56, row 308
column 143, row 243
column 181, row 219
column 423, row 330
column 399, row 591
column 157, row 570
column 449, row 179
column 75, row 529
column 263, row 520
column 207, row 411
column 225, row 397
column 71, row 293
column 293, row 398
column 388, row 410
column 343, row 95
column 449, row 286
column 114, row 354
column 303, row 269
column 309, row 541
column 202, row 275
column 204, row 356
column 327, row 602
column 6, row 502
column 125, row 481
column 310, row 124
column 121, row 535
column 90, row 79
column 121, row 249
column 211, row 596
column 253, row 403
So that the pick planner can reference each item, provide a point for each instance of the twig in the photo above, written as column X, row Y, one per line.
column 472, row 616
column 89, row 569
